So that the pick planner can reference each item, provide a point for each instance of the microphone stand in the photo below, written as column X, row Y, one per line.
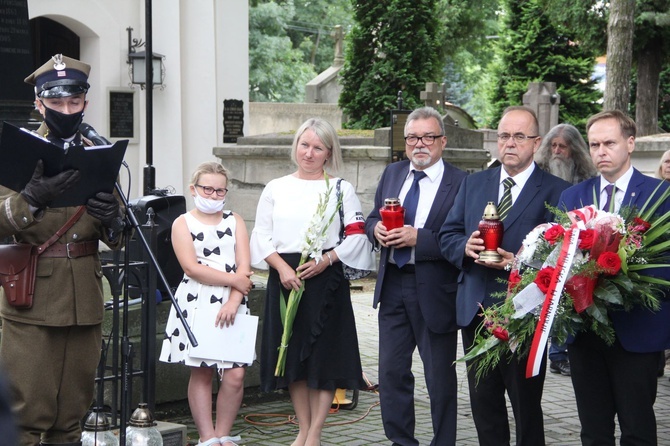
column 136, row 225
column 126, row 373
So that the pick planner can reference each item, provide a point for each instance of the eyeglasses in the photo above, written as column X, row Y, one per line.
column 518, row 137
column 210, row 190
column 426, row 139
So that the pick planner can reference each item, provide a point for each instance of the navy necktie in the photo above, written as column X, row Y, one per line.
column 402, row 255
column 610, row 189
column 506, row 201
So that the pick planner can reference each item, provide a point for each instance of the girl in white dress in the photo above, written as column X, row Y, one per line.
column 212, row 246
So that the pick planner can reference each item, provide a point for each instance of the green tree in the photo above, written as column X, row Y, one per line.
column 620, row 25
column 395, row 45
column 664, row 101
column 290, row 43
column 533, row 49
column 277, row 71
column 311, row 28
column 650, row 52
column 469, row 49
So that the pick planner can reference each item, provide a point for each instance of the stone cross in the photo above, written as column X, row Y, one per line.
column 338, row 35
column 432, row 96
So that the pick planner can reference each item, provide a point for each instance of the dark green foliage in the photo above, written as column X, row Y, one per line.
column 532, row 49
column 664, row 100
column 394, row 45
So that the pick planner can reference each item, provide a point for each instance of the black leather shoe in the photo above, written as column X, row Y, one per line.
column 562, row 367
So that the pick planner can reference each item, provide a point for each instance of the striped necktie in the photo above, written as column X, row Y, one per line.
column 506, row 201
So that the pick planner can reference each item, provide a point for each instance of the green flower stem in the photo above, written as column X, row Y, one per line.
column 287, row 321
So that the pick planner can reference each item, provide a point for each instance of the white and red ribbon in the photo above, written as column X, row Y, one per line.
column 552, row 298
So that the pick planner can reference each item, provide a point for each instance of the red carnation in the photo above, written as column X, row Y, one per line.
column 586, row 238
column 610, row 262
column 553, row 234
column 514, row 280
column 501, row 334
column 543, row 278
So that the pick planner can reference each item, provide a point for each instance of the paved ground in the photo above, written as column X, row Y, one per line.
column 268, row 420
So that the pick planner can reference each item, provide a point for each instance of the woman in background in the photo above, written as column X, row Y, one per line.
column 663, row 171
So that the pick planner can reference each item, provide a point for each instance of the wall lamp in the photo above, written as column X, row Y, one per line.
column 137, row 64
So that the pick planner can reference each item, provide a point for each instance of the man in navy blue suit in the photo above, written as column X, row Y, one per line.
column 531, row 189
column 416, row 293
column 618, row 380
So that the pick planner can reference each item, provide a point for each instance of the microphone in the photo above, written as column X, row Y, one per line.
column 90, row 133
column 97, row 139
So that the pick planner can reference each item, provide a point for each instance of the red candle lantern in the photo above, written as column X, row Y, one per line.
column 392, row 213
column 491, row 231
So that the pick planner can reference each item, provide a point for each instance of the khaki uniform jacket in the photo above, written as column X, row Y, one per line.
column 67, row 291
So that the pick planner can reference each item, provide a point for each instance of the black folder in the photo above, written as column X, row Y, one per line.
column 20, row 149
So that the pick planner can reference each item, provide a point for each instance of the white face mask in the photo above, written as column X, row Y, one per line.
column 207, row 206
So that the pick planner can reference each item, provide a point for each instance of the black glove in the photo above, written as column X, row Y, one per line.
column 40, row 190
column 104, row 207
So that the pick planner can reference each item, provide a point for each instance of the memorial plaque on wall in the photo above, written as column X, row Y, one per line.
column 233, row 120
column 122, row 114
column 15, row 51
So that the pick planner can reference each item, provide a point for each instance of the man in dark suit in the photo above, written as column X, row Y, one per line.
column 416, row 286
column 618, row 380
column 461, row 244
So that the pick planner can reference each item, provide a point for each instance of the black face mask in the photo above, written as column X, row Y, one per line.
column 62, row 125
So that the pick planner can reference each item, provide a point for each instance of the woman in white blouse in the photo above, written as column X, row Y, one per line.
column 322, row 353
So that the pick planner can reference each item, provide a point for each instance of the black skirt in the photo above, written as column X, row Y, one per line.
column 323, row 349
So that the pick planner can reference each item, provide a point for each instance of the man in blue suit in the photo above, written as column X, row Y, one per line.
column 621, row 379
column 416, row 286
column 530, row 190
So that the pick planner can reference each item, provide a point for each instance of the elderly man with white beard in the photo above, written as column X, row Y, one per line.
column 563, row 153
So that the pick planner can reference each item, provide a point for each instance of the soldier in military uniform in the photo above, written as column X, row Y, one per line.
column 50, row 352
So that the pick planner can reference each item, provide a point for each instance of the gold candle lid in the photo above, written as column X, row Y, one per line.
column 491, row 212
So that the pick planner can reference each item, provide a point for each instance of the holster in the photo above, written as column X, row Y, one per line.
column 18, row 265
column 18, row 269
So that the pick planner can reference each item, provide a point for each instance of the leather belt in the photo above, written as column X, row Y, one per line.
column 409, row 268
column 71, row 250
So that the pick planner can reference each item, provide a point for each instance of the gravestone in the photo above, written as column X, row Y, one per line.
column 433, row 95
column 325, row 88
column 16, row 97
column 233, row 120
column 397, row 140
column 543, row 99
